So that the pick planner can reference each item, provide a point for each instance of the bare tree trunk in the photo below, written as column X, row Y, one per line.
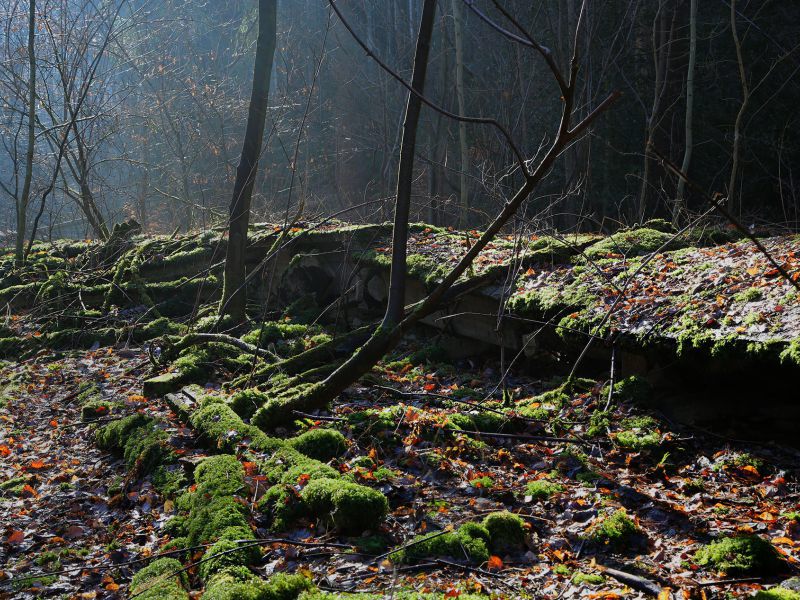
column 24, row 199
column 405, row 173
column 662, row 44
column 234, row 296
column 735, row 204
column 458, row 24
column 680, row 200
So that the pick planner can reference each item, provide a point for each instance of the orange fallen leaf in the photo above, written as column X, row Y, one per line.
column 752, row 271
column 4, row 451
column 766, row 516
column 27, row 489
column 37, row 464
column 53, row 423
column 783, row 541
column 495, row 562
column 15, row 537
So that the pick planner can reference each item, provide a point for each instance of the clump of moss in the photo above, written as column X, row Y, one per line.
column 346, row 505
column 227, row 552
column 638, row 434
column 749, row 295
column 321, row 444
column 506, row 531
column 635, row 242
column 741, row 554
column 239, row 583
column 351, row 507
column 616, row 530
column 633, row 389
column 247, row 402
column 98, row 408
column 480, row 421
column 777, row 593
column 160, row 580
column 469, row 542
column 140, row 440
column 543, row 489
column 581, row 578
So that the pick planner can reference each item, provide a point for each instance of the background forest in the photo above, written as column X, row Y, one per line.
column 158, row 94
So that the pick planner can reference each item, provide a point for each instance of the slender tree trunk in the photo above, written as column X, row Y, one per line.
column 458, row 26
column 234, row 297
column 24, row 199
column 405, row 172
column 680, row 201
column 735, row 204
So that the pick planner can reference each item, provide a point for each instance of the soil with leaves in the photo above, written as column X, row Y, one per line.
column 534, row 489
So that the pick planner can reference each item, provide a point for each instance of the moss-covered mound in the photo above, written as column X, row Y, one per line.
column 163, row 579
column 499, row 532
column 748, row 554
column 302, row 485
column 617, row 530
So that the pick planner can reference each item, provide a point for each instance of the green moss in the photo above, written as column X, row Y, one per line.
column 142, row 443
column 238, row 583
column 543, row 489
column 581, row 578
column 748, row 554
column 397, row 594
column 615, row 530
column 221, row 475
column 98, row 409
column 247, row 402
column 11, row 347
column 468, row 542
column 159, row 581
column 749, row 295
column 777, row 593
column 321, row 444
column 481, row 421
column 636, row 242
column 506, row 531
column 791, row 354
column 228, row 552
column 350, row 507
column 635, row 389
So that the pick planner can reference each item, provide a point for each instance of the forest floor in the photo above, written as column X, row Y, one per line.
column 598, row 490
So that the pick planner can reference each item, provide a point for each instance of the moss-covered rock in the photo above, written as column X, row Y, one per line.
column 633, row 242
column 321, row 444
column 239, row 583
column 350, row 507
column 470, row 542
column 139, row 439
column 617, row 530
column 506, row 531
column 163, row 579
column 747, row 554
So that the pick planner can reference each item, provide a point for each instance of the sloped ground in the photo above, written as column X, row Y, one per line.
column 558, row 460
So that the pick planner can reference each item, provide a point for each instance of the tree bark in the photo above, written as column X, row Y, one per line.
column 405, row 173
column 735, row 204
column 458, row 26
column 24, row 199
column 680, row 200
column 234, row 296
